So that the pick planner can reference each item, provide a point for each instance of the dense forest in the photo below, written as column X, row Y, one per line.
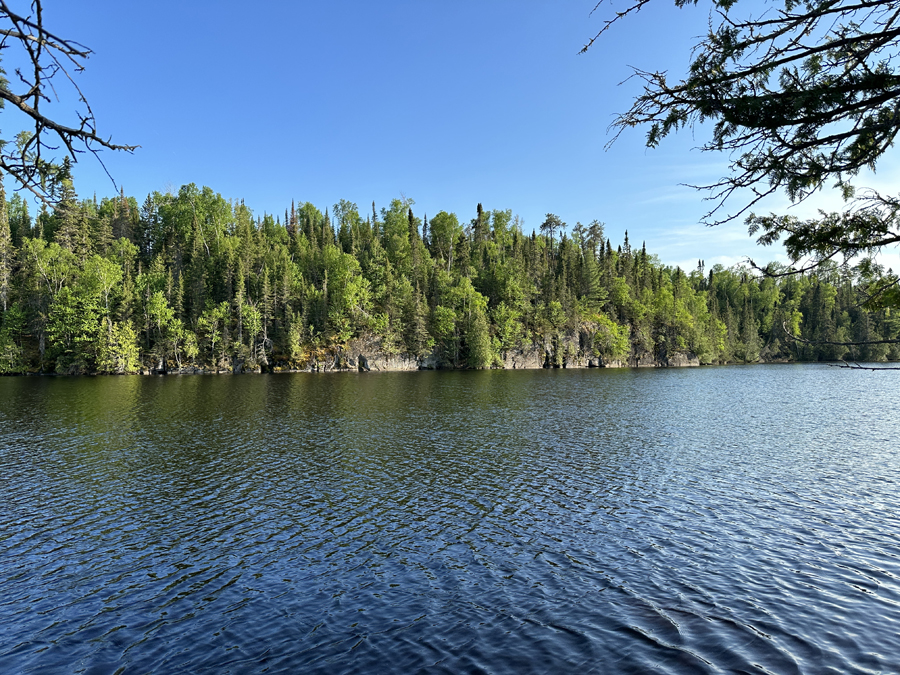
column 194, row 280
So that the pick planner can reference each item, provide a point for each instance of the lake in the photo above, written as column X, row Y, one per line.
column 711, row 520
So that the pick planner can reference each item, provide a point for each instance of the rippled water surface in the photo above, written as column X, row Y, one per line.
column 739, row 519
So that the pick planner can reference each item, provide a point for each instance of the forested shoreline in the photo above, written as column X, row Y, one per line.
column 194, row 281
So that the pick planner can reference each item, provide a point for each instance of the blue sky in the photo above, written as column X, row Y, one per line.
column 450, row 104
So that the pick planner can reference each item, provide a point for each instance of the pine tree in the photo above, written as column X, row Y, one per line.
column 479, row 229
column 413, row 227
column 7, row 250
column 100, row 232
column 590, row 282
column 462, row 255
column 66, row 213
column 415, row 320
column 479, row 353
column 749, row 335
column 375, row 233
column 122, row 221
column 19, row 220
column 327, row 230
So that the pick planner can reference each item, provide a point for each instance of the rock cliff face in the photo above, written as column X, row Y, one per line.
column 531, row 357
column 364, row 354
column 682, row 360
column 664, row 360
column 368, row 354
column 568, row 352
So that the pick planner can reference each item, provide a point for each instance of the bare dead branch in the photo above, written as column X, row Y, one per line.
column 49, row 56
column 793, row 271
column 858, row 366
column 838, row 344
column 804, row 94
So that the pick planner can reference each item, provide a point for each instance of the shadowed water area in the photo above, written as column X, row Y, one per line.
column 735, row 519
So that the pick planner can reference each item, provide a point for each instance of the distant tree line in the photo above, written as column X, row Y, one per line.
column 194, row 279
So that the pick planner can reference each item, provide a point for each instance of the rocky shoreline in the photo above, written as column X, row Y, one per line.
column 368, row 355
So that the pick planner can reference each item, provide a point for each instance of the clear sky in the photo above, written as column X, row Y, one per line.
column 447, row 103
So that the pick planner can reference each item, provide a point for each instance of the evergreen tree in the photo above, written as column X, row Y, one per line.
column 7, row 251
column 207, row 283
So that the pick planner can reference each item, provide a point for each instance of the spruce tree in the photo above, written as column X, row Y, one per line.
column 7, row 251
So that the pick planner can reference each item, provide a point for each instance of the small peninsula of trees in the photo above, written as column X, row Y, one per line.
column 193, row 279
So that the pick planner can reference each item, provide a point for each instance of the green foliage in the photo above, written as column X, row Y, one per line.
column 607, row 338
column 117, row 348
column 510, row 332
column 213, row 326
column 73, row 325
column 12, row 351
column 480, row 352
column 196, row 280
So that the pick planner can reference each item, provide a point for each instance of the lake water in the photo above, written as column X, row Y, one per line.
column 733, row 519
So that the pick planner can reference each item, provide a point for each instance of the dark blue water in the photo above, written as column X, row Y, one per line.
column 737, row 519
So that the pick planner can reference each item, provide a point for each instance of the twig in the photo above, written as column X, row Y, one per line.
column 839, row 344
column 859, row 366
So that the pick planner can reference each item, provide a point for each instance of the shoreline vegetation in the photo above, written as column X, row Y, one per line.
column 403, row 363
column 192, row 282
